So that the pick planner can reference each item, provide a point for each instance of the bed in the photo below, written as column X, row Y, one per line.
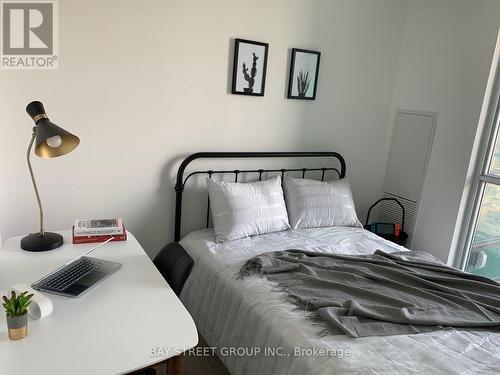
column 256, row 331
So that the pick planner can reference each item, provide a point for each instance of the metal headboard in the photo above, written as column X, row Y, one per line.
column 181, row 180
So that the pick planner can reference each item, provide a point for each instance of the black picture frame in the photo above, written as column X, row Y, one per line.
column 236, row 87
column 293, row 68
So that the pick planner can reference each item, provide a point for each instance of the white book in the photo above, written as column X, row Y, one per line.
column 99, row 227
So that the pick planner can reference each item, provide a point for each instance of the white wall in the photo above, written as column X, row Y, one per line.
column 445, row 58
column 146, row 83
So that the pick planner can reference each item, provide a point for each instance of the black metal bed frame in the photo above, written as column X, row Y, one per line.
column 181, row 181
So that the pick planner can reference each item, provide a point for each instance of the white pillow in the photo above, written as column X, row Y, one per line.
column 245, row 209
column 314, row 204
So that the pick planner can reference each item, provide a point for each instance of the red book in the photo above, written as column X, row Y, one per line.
column 92, row 239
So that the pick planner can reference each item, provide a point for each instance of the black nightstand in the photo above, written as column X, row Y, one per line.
column 402, row 239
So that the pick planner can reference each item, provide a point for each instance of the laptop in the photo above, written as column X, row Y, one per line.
column 77, row 276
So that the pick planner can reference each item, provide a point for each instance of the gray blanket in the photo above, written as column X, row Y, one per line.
column 381, row 294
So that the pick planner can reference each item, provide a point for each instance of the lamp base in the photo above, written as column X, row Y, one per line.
column 37, row 242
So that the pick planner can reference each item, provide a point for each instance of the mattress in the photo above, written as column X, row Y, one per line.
column 254, row 330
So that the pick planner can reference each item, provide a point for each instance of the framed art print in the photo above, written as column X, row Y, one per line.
column 249, row 67
column 304, row 70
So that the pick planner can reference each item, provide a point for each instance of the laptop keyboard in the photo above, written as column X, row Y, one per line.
column 69, row 275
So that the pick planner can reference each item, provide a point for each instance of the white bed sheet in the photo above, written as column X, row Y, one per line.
column 249, row 314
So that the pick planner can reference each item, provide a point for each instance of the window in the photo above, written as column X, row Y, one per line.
column 483, row 245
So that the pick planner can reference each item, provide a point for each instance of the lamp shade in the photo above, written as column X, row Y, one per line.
column 51, row 140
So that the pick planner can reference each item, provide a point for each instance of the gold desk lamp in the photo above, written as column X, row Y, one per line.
column 50, row 141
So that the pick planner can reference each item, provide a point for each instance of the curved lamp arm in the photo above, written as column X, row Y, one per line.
column 28, row 157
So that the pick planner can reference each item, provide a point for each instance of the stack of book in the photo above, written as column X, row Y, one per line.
column 87, row 231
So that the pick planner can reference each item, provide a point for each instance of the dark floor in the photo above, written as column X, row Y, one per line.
column 206, row 365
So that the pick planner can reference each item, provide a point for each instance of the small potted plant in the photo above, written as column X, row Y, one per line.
column 16, row 308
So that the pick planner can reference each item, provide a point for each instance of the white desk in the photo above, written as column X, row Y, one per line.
column 111, row 329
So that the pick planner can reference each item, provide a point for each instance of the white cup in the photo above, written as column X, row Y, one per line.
column 40, row 307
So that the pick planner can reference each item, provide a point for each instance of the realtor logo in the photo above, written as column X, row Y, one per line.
column 29, row 35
